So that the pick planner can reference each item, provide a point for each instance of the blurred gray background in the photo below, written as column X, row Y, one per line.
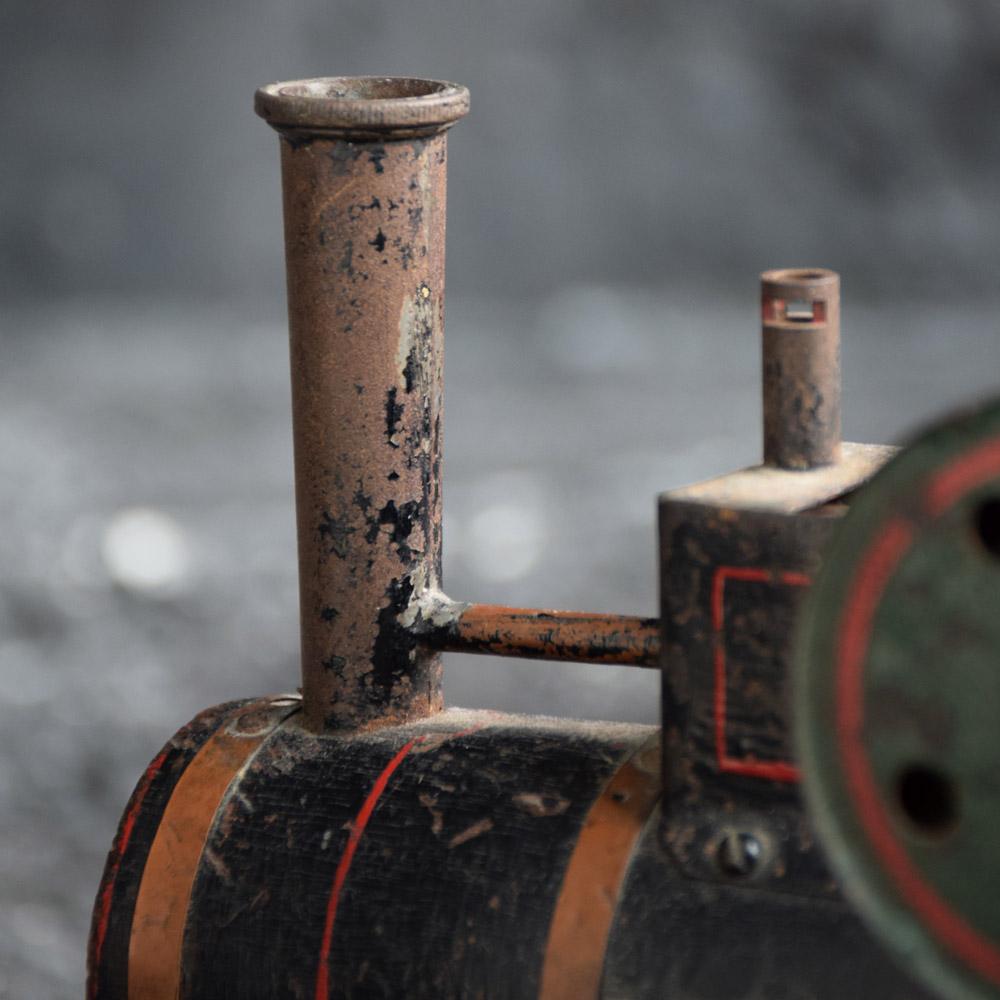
column 626, row 171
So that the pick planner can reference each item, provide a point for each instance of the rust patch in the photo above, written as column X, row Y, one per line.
column 470, row 833
column 542, row 635
column 429, row 802
column 538, row 804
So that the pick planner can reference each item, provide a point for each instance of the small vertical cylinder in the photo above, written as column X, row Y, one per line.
column 800, row 315
column 363, row 177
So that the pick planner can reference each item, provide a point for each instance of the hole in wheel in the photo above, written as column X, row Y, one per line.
column 988, row 525
column 928, row 800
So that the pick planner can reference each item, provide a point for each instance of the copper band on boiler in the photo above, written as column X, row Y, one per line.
column 154, row 962
column 578, row 934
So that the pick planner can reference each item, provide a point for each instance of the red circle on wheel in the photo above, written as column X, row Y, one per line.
column 944, row 489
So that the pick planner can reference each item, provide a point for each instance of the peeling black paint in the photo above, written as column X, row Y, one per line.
column 296, row 140
column 394, row 643
column 335, row 532
column 361, row 499
column 342, row 155
column 393, row 414
column 371, row 227
column 347, row 261
column 411, row 369
column 401, row 520
column 469, row 922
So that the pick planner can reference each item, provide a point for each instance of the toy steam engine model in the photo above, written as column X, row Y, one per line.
column 817, row 817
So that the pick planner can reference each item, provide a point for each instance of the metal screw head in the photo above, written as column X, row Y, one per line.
column 738, row 854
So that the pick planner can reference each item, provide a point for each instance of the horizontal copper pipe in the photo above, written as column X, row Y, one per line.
column 576, row 636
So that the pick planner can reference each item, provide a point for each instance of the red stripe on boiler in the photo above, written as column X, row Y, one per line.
column 124, row 836
column 346, row 859
column 357, row 830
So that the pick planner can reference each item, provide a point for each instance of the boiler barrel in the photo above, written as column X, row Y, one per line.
column 471, row 854
column 445, row 858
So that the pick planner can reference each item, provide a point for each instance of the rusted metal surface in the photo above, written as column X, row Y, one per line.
column 363, row 175
column 381, row 847
column 535, row 634
column 800, row 315
column 362, row 107
column 363, row 168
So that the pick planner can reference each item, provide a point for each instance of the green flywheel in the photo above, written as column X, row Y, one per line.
column 898, row 704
